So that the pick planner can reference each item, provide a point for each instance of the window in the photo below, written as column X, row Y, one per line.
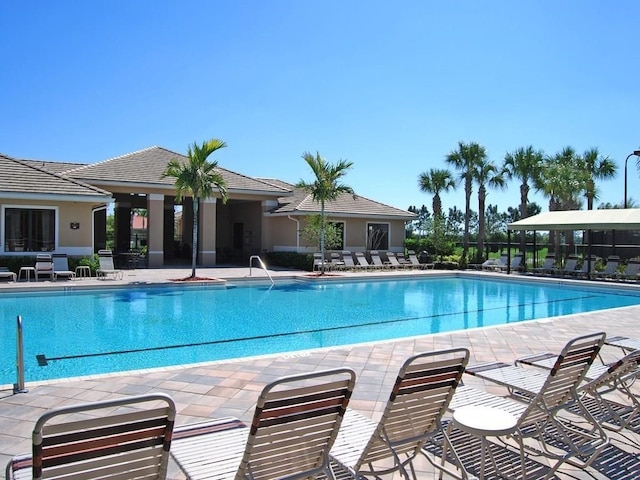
column 29, row 229
column 377, row 236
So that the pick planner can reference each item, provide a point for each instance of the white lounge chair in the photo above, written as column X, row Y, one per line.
column 61, row 266
column 295, row 424
column 540, row 430
column 107, row 268
column 117, row 439
column 412, row 417
column 6, row 273
column 44, row 266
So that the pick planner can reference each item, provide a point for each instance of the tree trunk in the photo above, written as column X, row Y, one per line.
column 322, row 236
column 194, row 247
column 524, row 194
column 482, row 194
column 467, row 216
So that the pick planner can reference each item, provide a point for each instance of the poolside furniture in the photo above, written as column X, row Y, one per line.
column 569, row 267
column 514, row 265
column 541, row 396
column 362, row 262
column 6, row 273
column 610, row 269
column 395, row 263
column 631, row 271
column 586, row 269
column 547, row 265
column 416, row 263
column 125, row 438
column 412, row 417
column 27, row 273
column 61, row 267
column 347, row 258
column 83, row 271
column 106, row 268
column 319, row 263
column 376, row 261
column 336, row 262
column 295, row 424
column 44, row 266
column 600, row 380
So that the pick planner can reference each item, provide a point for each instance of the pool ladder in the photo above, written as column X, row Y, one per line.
column 257, row 257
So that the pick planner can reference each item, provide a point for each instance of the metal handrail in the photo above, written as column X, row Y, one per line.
column 257, row 257
column 18, row 387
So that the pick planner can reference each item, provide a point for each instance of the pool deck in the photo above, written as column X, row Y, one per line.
column 230, row 387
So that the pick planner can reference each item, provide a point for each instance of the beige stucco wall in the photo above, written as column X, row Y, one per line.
column 282, row 233
column 70, row 241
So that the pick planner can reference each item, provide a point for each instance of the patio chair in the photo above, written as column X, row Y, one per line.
column 569, row 267
column 347, row 258
column 412, row 417
column 514, row 265
column 547, row 265
column 376, row 261
column 610, row 269
column 587, row 268
column 61, row 266
column 6, row 273
column 44, row 266
column 540, row 429
column 416, row 263
column 107, row 268
column 362, row 262
column 127, row 438
column 294, row 426
column 319, row 263
column 599, row 380
column 336, row 262
column 631, row 271
column 395, row 263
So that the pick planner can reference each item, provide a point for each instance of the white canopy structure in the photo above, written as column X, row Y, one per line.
column 613, row 219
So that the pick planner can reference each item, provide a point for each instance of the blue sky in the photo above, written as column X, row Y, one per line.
column 390, row 86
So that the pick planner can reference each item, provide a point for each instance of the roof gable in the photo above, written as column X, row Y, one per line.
column 147, row 167
column 19, row 177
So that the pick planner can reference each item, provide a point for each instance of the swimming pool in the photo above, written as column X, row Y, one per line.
column 75, row 333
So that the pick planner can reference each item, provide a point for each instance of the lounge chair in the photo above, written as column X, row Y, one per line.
column 362, row 262
column 116, row 439
column 631, row 271
column 336, row 262
column 61, row 266
column 498, row 264
column 6, row 273
column 587, row 268
column 376, row 261
column 106, row 268
column 319, row 264
column 412, row 417
column 294, row 426
column 416, row 263
column 601, row 380
column 540, row 430
column 347, row 258
column 44, row 266
column 514, row 265
column 394, row 262
column 547, row 265
column 569, row 267
column 610, row 269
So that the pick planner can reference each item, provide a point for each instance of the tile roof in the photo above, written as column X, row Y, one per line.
column 53, row 167
column 302, row 203
column 147, row 166
column 21, row 178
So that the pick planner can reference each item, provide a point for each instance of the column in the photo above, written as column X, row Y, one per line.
column 155, row 214
column 207, row 232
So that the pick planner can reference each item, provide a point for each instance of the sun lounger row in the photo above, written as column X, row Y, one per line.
column 302, row 428
column 375, row 260
column 586, row 268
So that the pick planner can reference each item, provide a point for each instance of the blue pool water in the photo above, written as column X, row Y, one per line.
column 90, row 332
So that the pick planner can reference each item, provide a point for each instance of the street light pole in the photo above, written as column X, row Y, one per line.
column 634, row 153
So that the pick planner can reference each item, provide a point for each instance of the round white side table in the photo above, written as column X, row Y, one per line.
column 484, row 422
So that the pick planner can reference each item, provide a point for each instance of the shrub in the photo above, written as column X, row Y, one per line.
column 299, row 261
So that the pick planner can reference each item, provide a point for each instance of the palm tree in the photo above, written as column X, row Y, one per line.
column 197, row 178
column 436, row 181
column 562, row 180
column 464, row 159
column 523, row 164
column 325, row 187
column 486, row 174
column 597, row 168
